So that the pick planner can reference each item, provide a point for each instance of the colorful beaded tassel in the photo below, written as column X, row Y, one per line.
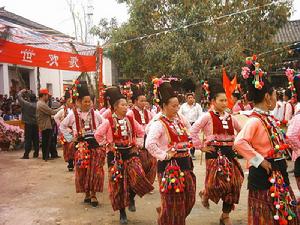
column 117, row 169
column 281, row 199
column 224, row 166
column 173, row 179
column 82, row 155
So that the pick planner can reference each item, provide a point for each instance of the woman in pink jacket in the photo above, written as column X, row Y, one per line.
column 293, row 132
column 79, row 127
column 126, row 175
column 224, row 175
column 168, row 141
column 262, row 143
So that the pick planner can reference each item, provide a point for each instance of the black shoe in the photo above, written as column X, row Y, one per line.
column 193, row 157
column 25, row 157
column 70, row 169
column 48, row 159
column 55, row 157
column 123, row 217
column 35, row 155
column 131, row 206
column 94, row 202
column 87, row 200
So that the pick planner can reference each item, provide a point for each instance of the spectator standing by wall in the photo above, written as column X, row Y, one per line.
column 31, row 128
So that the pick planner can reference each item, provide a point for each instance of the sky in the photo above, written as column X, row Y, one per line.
column 56, row 14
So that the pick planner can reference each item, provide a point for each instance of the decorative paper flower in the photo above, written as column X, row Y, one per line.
column 257, row 73
column 9, row 133
column 245, row 72
column 290, row 74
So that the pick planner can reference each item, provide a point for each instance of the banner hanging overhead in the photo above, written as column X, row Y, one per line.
column 30, row 56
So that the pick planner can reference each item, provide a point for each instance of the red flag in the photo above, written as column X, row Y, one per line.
column 229, row 87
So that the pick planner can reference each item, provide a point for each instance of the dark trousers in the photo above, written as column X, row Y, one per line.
column 53, row 150
column 48, row 145
column 31, row 139
column 192, row 150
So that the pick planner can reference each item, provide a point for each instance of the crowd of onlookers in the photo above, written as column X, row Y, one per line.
column 21, row 106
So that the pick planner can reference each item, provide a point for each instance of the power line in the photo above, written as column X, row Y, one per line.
column 209, row 20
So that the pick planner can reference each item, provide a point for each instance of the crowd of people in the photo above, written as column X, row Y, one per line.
column 139, row 143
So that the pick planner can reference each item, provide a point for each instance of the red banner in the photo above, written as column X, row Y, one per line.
column 29, row 56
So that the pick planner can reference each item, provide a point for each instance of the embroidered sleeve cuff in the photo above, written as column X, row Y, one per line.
column 256, row 160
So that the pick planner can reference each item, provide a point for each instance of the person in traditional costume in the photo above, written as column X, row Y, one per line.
column 247, row 104
column 143, row 117
column 293, row 131
column 278, row 111
column 68, row 147
column 224, row 175
column 238, row 103
column 89, row 155
column 262, row 143
column 288, row 106
column 168, row 141
column 126, row 175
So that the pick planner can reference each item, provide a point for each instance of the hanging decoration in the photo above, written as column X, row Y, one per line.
column 116, row 170
column 74, row 91
column 257, row 73
column 224, row 166
column 281, row 199
column 205, row 87
column 126, row 89
column 82, row 155
column 173, row 179
column 290, row 74
column 157, row 82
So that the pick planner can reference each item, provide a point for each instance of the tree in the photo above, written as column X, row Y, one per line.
column 197, row 51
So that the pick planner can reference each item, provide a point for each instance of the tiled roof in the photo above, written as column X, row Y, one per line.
column 16, row 19
column 289, row 33
column 20, row 30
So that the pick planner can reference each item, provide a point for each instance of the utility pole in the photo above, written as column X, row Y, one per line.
column 89, row 16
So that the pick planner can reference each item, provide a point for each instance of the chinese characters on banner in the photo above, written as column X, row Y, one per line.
column 29, row 56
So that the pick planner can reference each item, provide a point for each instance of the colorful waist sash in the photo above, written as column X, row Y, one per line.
column 90, row 139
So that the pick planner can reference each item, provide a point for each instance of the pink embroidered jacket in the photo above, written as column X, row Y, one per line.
column 69, row 121
column 157, row 137
column 293, row 135
column 253, row 142
column 205, row 124
column 104, row 133
column 130, row 113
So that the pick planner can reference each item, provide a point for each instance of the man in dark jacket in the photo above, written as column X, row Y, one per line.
column 30, row 120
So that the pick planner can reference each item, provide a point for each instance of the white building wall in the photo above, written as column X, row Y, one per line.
column 4, row 79
column 107, row 72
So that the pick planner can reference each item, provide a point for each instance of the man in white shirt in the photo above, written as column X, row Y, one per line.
column 191, row 111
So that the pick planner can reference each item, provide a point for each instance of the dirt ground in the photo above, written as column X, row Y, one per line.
column 37, row 192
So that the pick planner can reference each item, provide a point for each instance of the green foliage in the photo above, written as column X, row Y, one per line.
column 198, row 51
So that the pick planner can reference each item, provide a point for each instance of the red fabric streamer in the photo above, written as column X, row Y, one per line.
column 229, row 87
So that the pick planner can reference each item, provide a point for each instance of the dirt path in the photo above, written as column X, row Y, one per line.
column 37, row 192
